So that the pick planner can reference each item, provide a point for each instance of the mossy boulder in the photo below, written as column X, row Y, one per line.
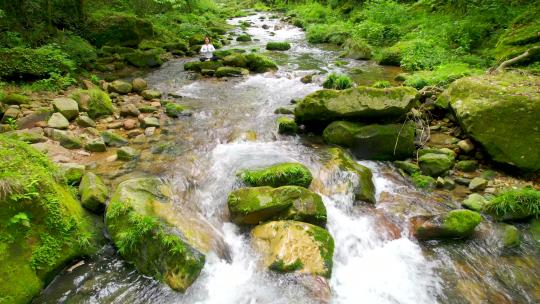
column 151, row 94
column 42, row 226
column 286, row 125
column 198, row 66
column 243, row 38
column 475, row 202
column 145, row 229
column 467, row 165
column 278, row 46
column 259, row 63
column 174, row 110
column 228, row 71
column 456, row 224
column 14, row 99
column 435, row 164
column 120, row 87
column 495, row 110
column 113, row 139
column 67, row 139
column 95, row 102
column 284, row 174
column 235, row 60
column 360, row 103
column 26, row 135
column 359, row 177
column 407, row 166
column 377, row 142
column 357, row 49
column 290, row 246
column 251, row 206
column 145, row 59
column 119, row 30
column 139, row 84
column 94, row 193
column 72, row 172
column 66, row 106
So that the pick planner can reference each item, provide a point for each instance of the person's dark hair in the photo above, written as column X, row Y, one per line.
column 209, row 39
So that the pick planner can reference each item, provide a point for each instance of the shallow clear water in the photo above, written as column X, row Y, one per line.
column 375, row 260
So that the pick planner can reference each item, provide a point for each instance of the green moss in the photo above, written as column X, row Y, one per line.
column 279, row 175
column 337, row 82
column 174, row 110
column 326, row 247
column 407, row 166
column 434, row 164
column 53, row 231
column 515, row 204
column 423, row 181
column 17, row 63
column 280, row 266
column 259, row 63
column 243, row 38
column 461, row 222
column 341, row 133
column 278, row 46
column 511, row 236
column 99, row 103
column 286, row 125
column 381, row 84
column 441, row 76
column 145, row 59
column 14, row 99
column 235, row 60
column 228, row 71
column 119, row 30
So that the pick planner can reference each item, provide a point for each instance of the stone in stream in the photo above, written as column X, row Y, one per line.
column 407, row 166
column 478, row 184
column 377, row 142
column 174, row 110
column 113, row 139
column 58, row 121
column 151, row 94
column 290, row 246
column 72, row 172
column 251, row 206
column 93, row 193
column 85, row 121
column 45, row 228
column 456, row 224
column 341, row 173
column 235, row 60
column 500, row 112
column 283, row 110
column 510, row 236
column 148, row 232
column 150, row 121
column 67, row 139
column 475, row 202
column 283, row 174
column 95, row 145
column 435, row 164
column 127, row 154
column 66, row 106
column 286, row 125
column 361, row 103
column 120, row 87
column 227, row 71
column 467, row 165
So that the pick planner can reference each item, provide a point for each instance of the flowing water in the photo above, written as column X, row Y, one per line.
column 233, row 127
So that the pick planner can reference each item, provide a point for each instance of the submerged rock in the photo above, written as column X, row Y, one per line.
column 251, row 206
column 361, row 103
column 288, row 246
column 147, row 232
column 378, row 142
column 475, row 202
column 120, row 87
column 286, row 125
column 501, row 113
column 42, row 228
column 292, row 174
column 113, row 139
column 456, row 224
column 228, row 71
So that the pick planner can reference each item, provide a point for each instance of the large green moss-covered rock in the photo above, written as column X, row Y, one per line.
column 251, row 206
column 360, row 103
column 228, row 71
column 286, row 125
column 66, row 106
column 501, row 113
column 378, row 142
column 435, row 164
column 42, row 226
column 456, row 224
column 359, row 177
column 95, row 102
column 292, row 174
column 288, row 246
column 94, row 193
column 235, row 60
column 119, row 30
column 149, row 233
column 259, row 63
column 145, row 59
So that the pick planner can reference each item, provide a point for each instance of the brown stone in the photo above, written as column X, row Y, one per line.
column 130, row 124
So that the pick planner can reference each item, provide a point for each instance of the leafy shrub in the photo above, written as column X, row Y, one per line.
column 17, row 63
column 55, row 82
column 78, row 49
column 382, row 84
column 337, row 82
column 422, row 55
column 523, row 202
column 376, row 33
column 356, row 48
column 328, row 33
column 441, row 76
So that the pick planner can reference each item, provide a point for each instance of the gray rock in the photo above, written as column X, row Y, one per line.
column 150, row 94
column 478, row 184
column 113, row 139
column 129, row 110
column 466, row 145
column 58, row 121
column 150, row 122
column 96, row 145
column 139, row 84
column 67, row 106
column 120, row 87
column 93, row 192
column 67, row 139
column 150, row 131
column 85, row 121
column 127, row 154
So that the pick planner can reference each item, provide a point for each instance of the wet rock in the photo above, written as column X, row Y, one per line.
column 127, row 154
column 198, row 66
column 115, row 125
column 407, row 166
column 235, row 60
column 466, row 145
column 282, row 110
column 149, row 131
column 288, row 246
column 113, row 139
column 446, row 183
column 95, row 145
column 434, row 164
column 361, row 103
column 147, row 109
column 67, row 139
column 307, row 79
column 378, row 142
column 72, row 172
column 145, row 58
column 286, row 125
column 94, row 193
column 58, row 121
column 129, row 110
column 149, row 233
column 475, row 202
column 251, row 206
column 284, row 174
column 85, row 121
column 150, row 121
column 510, row 236
column 467, row 165
column 231, row 72
column 130, row 124
column 478, row 184
column 120, row 87
column 174, row 110
column 456, row 224
column 493, row 109
column 151, row 94
column 30, row 136
column 134, row 133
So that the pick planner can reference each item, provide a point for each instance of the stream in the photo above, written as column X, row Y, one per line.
column 233, row 127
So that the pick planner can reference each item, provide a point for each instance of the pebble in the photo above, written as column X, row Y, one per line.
column 149, row 131
column 130, row 124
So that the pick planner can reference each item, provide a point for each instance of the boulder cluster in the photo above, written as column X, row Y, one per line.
column 232, row 63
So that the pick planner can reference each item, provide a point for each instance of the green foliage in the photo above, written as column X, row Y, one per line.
column 12, row 123
column 99, row 104
column 522, row 202
column 278, row 175
column 13, row 99
column 423, row 181
column 55, row 82
column 382, row 84
column 78, row 49
column 278, row 46
column 337, row 82
column 441, row 76
column 422, row 55
column 20, row 218
column 17, row 63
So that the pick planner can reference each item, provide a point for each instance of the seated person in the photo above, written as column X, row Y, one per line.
column 207, row 50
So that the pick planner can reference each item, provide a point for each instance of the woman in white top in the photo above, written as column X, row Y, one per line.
column 207, row 50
